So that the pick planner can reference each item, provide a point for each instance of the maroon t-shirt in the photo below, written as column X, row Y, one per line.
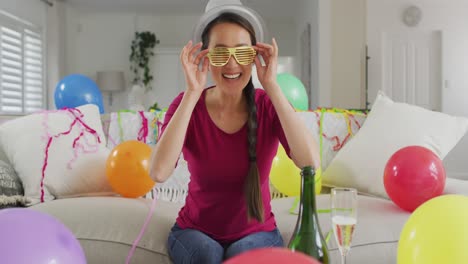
column 218, row 165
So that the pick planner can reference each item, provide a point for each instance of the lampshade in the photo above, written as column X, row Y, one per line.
column 110, row 81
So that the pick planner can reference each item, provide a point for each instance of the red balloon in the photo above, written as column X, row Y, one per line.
column 272, row 255
column 412, row 176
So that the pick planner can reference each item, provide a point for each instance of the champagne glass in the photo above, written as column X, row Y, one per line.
column 344, row 218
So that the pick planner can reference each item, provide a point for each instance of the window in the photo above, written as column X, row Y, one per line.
column 22, row 81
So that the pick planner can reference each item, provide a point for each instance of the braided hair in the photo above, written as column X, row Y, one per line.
column 252, row 189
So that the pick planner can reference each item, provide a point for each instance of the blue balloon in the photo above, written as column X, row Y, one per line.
column 75, row 90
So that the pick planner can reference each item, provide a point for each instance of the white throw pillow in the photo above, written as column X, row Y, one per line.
column 389, row 127
column 68, row 145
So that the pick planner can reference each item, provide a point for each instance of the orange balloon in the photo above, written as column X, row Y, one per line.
column 127, row 169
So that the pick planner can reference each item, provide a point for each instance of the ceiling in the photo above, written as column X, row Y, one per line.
column 266, row 8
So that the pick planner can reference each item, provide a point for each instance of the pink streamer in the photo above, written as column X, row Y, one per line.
column 77, row 116
column 143, row 133
column 338, row 143
column 142, row 231
column 109, row 137
column 112, row 140
column 44, row 166
column 160, row 124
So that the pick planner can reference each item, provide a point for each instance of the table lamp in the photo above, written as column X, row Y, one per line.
column 110, row 81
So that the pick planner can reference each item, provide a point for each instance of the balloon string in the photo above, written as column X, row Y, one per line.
column 296, row 201
column 140, row 235
column 329, row 234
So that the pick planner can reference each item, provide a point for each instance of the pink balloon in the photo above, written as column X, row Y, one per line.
column 412, row 176
column 28, row 236
column 271, row 256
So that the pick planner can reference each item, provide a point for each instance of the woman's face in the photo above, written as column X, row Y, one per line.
column 232, row 77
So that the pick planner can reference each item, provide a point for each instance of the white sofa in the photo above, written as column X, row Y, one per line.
column 107, row 226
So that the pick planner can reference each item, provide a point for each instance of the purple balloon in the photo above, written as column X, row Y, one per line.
column 28, row 236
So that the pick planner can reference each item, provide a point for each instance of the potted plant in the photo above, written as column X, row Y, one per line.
column 140, row 56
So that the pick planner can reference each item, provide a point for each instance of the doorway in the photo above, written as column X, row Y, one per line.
column 409, row 68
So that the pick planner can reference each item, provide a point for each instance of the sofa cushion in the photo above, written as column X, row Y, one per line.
column 389, row 127
column 58, row 153
column 107, row 227
column 337, row 127
column 10, row 184
column 11, row 189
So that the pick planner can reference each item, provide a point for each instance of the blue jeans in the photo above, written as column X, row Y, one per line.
column 190, row 246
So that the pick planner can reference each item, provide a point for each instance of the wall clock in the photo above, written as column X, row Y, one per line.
column 412, row 16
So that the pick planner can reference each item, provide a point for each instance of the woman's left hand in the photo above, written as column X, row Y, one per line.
column 267, row 73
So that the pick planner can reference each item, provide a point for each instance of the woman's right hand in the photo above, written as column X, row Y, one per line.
column 194, row 76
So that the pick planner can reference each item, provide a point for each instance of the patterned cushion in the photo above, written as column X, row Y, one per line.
column 332, row 128
column 133, row 125
column 11, row 189
column 10, row 184
column 145, row 126
column 336, row 126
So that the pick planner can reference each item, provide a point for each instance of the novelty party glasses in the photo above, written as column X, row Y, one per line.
column 219, row 56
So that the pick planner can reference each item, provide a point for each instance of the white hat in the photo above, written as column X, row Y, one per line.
column 215, row 7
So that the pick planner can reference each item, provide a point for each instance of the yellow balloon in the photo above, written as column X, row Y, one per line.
column 286, row 177
column 436, row 232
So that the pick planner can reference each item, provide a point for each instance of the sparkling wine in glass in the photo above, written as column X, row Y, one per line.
column 344, row 217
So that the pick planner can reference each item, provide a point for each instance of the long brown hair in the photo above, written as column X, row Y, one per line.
column 252, row 189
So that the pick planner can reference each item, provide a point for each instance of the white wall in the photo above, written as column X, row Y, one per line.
column 33, row 11
column 97, row 41
column 56, row 33
column 314, row 12
column 348, row 39
column 337, row 52
column 324, row 38
column 101, row 41
column 449, row 16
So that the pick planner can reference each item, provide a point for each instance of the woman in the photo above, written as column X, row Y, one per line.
column 229, row 135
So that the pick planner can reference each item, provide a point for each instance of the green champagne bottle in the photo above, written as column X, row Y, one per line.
column 307, row 237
